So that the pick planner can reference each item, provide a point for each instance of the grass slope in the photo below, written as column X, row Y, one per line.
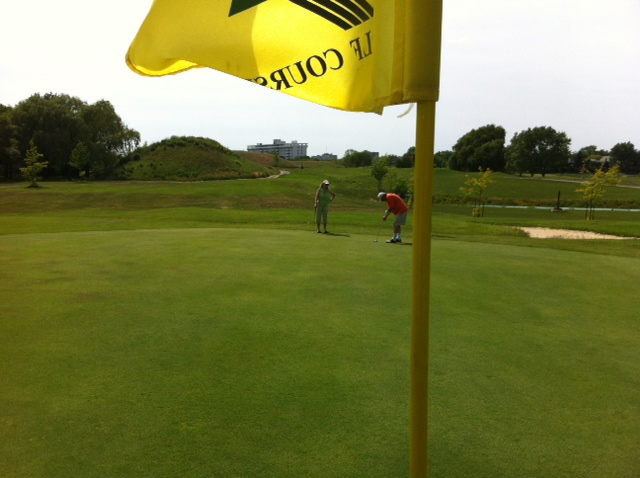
column 287, row 202
column 189, row 159
column 510, row 189
column 265, row 159
column 271, row 353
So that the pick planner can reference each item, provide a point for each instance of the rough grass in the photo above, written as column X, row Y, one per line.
column 355, row 188
column 537, row 191
column 286, row 202
column 268, row 160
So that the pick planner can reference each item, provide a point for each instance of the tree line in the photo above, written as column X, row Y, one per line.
column 540, row 150
column 75, row 138
column 359, row 159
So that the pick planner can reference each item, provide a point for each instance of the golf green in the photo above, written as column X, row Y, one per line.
column 271, row 353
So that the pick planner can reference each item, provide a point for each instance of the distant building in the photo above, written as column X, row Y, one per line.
column 325, row 157
column 286, row 150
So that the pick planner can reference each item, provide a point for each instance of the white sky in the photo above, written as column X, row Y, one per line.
column 573, row 65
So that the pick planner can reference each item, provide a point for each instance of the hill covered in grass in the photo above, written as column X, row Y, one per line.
column 188, row 158
column 272, row 160
column 266, row 159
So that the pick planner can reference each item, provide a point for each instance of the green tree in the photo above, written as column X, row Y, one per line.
column 595, row 189
column 81, row 159
column 579, row 160
column 9, row 152
column 408, row 159
column 12, row 159
column 52, row 123
column 626, row 156
column 379, row 170
column 109, row 139
column 539, row 150
column 57, row 123
column 34, row 166
column 479, row 148
column 441, row 159
column 395, row 182
column 476, row 188
column 357, row 159
column 392, row 159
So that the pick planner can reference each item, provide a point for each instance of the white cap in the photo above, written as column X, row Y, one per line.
column 381, row 195
column 326, row 181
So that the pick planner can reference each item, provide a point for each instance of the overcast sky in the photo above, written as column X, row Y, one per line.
column 573, row 65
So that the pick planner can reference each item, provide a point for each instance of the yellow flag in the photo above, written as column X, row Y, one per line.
column 356, row 55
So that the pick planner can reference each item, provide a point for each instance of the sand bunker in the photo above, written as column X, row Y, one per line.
column 547, row 233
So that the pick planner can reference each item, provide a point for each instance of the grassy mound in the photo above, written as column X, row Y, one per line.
column 190, row 159
column 265, row 159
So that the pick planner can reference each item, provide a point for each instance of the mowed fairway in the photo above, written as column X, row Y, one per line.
column 280, row 353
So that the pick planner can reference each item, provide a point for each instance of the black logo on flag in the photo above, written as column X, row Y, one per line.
column 344, row 13
column 238, row 6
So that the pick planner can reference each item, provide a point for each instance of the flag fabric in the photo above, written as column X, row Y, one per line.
column 355, row 55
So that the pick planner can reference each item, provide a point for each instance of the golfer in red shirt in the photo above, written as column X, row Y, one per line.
column 395, row 205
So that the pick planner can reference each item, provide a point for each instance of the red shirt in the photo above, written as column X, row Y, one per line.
column 395, row 204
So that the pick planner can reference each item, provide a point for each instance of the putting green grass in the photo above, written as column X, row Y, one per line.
column 198, row 352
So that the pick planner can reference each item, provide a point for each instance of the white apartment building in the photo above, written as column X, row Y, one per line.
column 286, row 150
